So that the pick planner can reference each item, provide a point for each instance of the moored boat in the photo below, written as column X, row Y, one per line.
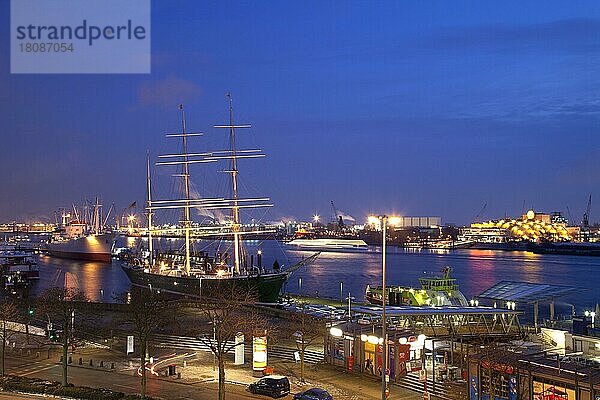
column 435, row 291
column 79, row 240
column 197, row 274
column 329, row 244
column 18, row 269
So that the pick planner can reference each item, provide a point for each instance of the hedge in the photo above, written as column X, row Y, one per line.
column 39, row 386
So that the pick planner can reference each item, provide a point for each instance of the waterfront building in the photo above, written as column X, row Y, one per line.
column 408, row 222
column 21, row 227
column 530, row 227
column 499, row 373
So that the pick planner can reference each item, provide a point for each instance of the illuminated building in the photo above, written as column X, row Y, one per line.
column 530, row 227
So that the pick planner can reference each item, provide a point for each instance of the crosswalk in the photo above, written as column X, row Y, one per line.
column 30, row 368
column 193, row 344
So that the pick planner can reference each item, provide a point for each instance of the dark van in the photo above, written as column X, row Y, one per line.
column 274, row 386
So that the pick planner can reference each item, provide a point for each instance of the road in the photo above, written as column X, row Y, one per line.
column 127, row 383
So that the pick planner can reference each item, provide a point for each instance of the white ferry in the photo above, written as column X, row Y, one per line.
column 330, row 244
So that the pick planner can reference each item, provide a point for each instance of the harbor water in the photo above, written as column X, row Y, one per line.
column 335, row 274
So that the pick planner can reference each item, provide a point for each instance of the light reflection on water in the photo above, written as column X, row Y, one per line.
column 476, row 270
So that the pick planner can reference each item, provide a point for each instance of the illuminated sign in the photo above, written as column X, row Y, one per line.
column 259, row 353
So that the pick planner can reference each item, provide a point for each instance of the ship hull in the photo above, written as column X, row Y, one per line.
column 88, row 248
column 571, row 249
column 267, row 286
column 336, row 245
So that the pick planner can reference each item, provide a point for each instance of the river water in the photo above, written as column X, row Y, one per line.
column 476, row 270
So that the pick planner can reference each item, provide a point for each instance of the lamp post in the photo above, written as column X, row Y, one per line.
column 591, row 314
column 383, row 221
column 383, row 319
column 349, row 319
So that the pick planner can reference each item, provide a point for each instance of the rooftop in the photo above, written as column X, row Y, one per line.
column 525, row 292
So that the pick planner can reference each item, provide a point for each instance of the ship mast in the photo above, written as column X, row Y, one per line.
column 97, row 217
column 235, row 203
column 235, row 200
column 150, row 213
column 186, row 182
column 235, row 210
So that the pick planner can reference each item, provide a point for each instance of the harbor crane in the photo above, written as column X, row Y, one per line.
column 339, row 220
column 585, row 221
column 480, row 213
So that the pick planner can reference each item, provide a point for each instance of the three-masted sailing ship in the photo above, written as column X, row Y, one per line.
column 199, row 274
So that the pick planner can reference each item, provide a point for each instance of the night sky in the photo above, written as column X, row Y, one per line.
column 415, row 108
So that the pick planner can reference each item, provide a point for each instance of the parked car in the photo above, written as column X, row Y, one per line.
column 314, row 394
column 274, row 386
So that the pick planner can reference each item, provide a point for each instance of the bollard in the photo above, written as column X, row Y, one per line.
column 179, row 375
column 80, row 361
column 70, row 360
column 101, row 364
column 91, row 362
column 112, row 365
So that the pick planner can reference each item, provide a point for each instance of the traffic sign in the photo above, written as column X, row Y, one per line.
column 423, row 375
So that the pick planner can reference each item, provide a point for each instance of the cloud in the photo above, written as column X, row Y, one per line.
column 576, row 35
column 167, row 92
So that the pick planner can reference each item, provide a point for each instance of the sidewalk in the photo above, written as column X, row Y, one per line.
column 198, row 374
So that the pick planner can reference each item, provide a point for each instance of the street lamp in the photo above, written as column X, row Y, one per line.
column 384, row 221
column 591, row 314
column 349, row 298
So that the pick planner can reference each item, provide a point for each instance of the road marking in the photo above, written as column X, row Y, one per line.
column 35, row 371
column 125, row 386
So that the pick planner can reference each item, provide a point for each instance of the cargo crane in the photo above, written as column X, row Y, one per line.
column 585, row 221
column 337, row 217
column 480, row 213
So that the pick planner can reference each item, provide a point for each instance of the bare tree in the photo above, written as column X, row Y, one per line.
column 148, row 312
column 305, row 330
column 65, row 307
column 9, row 316
column 226, row 314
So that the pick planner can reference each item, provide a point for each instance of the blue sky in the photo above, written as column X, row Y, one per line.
column 417, row 108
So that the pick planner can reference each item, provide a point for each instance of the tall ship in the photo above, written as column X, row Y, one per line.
column 198, row 273
column 75, row 238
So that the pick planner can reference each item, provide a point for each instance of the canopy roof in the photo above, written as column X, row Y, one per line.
column 525, row 292
column 417, row 310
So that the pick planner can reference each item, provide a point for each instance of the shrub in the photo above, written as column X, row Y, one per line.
column 39, row 386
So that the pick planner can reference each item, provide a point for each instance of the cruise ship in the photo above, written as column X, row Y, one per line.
column 330, row 244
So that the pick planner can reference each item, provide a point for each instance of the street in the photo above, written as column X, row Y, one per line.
column 81, row 376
